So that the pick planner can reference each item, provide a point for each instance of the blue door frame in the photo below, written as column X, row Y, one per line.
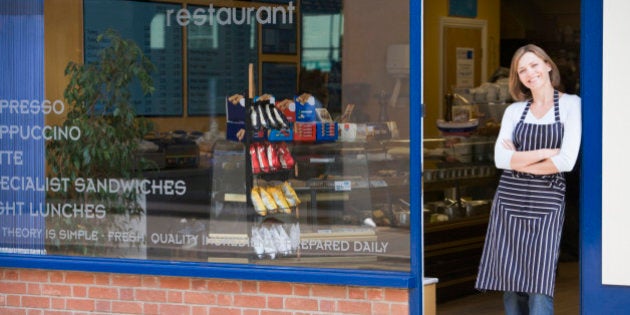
column 595, row 298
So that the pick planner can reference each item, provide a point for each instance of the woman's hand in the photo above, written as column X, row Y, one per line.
column 533, row 161
column 541, row 154
column 548, row 153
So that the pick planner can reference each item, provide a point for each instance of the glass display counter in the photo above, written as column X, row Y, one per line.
column 459, row 180
column 353, row 207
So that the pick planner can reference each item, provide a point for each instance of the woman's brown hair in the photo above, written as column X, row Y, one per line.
column 519, row 91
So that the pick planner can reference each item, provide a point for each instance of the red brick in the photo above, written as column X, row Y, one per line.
column 151, row 308
column 175, row 309
column 225, row 299
column 174, row 297
column 199, row 284
column 303, row 304
column 34, row 289
column 275, row 302
column 34, row 275
column 356, row 293
column 35, row 301
column 79, row 291
column 251, row 312
column 151, row 295
column 199, row 310
column 381, row 308
column 200, row 298
column 225, row 285
column 375, row 294
column 327, row 305
column 126, row 294
column 80, row 305
column 12, row 288
column 126, row 280
column 150, row 282
column 271, row 312
column 13, row 300
column 175, row 283
column 13, row 311
column 56, row 289
column 248, row 287
column 301, row 289
column 103, row 293
column 56, row 277
column 329, row 291
column 402, row 309
column 250, row 301
column 396, row 295
column 102, row 278
column 280, row 288
column 34, row 312
column 10, row 274
column 127, row 307
column 225, row 310
column 103, row 306
column 79, row 278
column 58, row 303
column 354, row 307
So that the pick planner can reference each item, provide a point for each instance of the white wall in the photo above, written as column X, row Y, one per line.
column 615, row 144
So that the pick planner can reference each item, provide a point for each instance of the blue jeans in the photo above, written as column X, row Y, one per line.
column 518, row 303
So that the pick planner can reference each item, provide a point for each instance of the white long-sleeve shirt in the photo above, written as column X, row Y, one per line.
column 570, row 115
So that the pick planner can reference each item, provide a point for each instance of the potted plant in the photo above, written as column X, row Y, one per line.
column 99, row 104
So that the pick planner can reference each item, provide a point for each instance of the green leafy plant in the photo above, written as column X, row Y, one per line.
column 98, row 97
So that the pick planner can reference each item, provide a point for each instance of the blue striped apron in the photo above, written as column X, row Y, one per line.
column 522, row 242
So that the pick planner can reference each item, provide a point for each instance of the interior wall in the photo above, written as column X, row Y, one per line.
column 63, row 36
column 434, row 10
column 370, row 26
column 63, row 41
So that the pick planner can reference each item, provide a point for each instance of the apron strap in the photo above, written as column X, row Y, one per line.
column 556, row 105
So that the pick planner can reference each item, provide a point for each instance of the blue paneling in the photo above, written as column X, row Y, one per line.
column 415, row 169
column 595, row 298
column 21, row 78
column 217, row 271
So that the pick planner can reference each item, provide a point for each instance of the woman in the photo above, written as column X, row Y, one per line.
column 539, row 140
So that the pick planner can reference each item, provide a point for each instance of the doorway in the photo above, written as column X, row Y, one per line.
column 556, row 28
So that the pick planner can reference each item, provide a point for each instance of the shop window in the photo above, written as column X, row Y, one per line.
column 290, row 176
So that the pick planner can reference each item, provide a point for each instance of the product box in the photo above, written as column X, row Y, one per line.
column 305, row 108
column 326, row 131
column 304, row 131
column 287, row 107
column 235, row 109
column 351, row 132
column 275, row 135
column 234, row 127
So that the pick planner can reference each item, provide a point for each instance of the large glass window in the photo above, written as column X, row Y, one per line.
column 234, row 134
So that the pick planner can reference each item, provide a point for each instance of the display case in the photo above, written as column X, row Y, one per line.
column 459, row 181
column 353, row 205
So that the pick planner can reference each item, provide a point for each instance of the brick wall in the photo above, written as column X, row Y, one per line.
column 39, row 292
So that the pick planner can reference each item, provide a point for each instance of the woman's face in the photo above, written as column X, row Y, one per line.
column 533, row 71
